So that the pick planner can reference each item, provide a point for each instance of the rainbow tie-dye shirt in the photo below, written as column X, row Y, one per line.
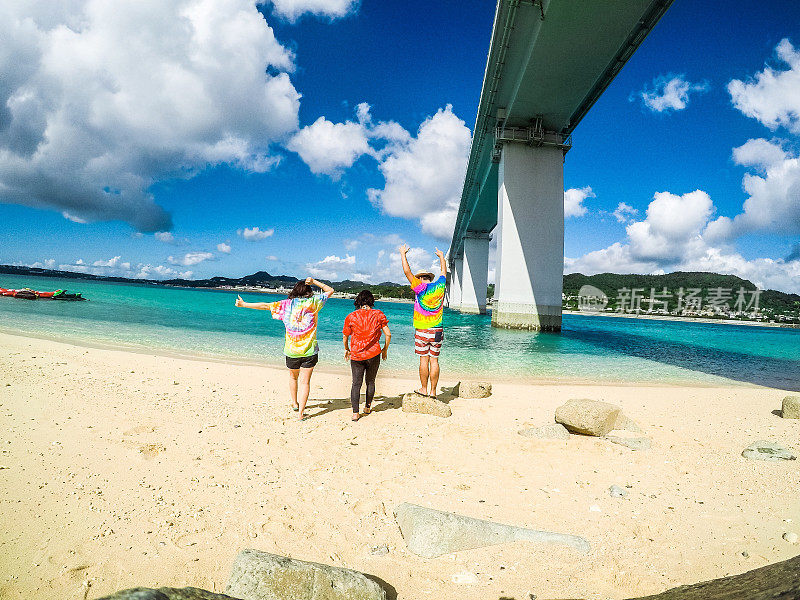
column 299, row 316
column 428, row 306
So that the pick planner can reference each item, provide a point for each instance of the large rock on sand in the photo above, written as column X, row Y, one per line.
column 259, row 575
column 426, row 406
column 773, row 582
column 790, row 409
column 472, row 389
column 430, row 533
column 188, row 593
column 588, row 417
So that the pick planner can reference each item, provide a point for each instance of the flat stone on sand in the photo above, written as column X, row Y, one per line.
column 188, row 593
column 554, row 431
column 472, row 389
column 790, row 409
column 769, row 451
column 260, row 575
column 634, row 443
column 430, row 533
column 588, row 417
column 426, row 406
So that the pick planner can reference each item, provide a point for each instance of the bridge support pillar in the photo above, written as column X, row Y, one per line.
column 454, row 285
column 530, row 238
column 475, row 273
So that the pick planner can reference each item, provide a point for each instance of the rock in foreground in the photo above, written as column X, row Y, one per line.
column 472, row 389
column 188, row 593
column 259, row 575
column 426, row 406
column 773, row 582
column 634, row 443
column 790, row 408
column 554, row 431
column 430, row 533
column 769, row 451
column 588, row 417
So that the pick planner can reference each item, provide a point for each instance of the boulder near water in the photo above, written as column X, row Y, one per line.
column 588, row 417
column 260, row 575
column 790, row 408
column 425, row 405
column 472, row 389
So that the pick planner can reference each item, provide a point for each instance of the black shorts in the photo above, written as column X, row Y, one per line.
column 302, row 362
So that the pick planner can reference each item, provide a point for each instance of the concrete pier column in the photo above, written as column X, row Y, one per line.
column 530, row 238
column 454, row 284
column 475, row 273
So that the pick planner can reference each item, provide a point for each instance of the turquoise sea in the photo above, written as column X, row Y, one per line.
column 206, row 323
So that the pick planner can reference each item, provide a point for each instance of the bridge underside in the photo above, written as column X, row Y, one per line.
column 548, row 63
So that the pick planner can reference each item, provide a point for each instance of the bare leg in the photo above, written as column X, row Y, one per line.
column 303, row 387
column 423, row 375
column 293, row 374
column 434, row 374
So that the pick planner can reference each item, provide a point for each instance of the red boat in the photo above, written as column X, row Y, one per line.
column 29, row 294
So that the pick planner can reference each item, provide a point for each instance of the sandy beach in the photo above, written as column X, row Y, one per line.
column 122, row 469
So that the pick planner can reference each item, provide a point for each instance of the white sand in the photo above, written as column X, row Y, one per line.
column 123, row 469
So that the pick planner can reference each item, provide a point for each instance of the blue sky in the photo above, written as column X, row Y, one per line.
column 151, row 140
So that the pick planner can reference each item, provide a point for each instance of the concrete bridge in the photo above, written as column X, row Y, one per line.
column 549, row 61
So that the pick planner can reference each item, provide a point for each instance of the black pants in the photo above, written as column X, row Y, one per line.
column 360, row 369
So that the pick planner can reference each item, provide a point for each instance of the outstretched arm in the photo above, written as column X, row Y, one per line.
column 406, row 269
column 324, row 287
column 442, row 261
column 257, row 305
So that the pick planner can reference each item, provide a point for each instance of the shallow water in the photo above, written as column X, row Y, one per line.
column 592, row 348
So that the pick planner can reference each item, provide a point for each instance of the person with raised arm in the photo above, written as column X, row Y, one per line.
column 299, row 315
column 428, row 308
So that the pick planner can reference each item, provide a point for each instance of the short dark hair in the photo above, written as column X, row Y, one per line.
column 364, row 298
column 426, row 277
column 301, row 290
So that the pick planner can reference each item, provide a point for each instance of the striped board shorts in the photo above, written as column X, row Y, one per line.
column 428, row 342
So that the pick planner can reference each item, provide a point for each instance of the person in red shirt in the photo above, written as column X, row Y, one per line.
column 362, row 347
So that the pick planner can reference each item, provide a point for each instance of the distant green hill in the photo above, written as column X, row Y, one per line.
column 771, row 302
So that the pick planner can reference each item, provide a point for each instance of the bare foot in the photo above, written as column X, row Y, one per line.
column 355, row 417
column 367, row 410
column 421, row 391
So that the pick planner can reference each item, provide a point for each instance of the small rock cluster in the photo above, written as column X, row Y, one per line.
column 427, row 405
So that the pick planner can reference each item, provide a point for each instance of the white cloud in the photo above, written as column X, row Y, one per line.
column 669, row 92
column 674, row 236
column 292, row 10
column 771, row 96
column 573, row 201
column 164, row 236
column 351, row 245
column 100, row 100
column 424, row 175
column 48, row 263
column 773, row 202
column 328, row 148
column 191, row 258
column 272, row 258
column 330, row 266
column 625, row 212
column 116, row 267
column 224, row 248
column 254, row 234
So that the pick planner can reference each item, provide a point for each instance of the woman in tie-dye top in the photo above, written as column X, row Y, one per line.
column 299, row 315
column 428, row 308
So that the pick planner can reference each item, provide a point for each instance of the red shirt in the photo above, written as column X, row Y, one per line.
column 364, row 326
